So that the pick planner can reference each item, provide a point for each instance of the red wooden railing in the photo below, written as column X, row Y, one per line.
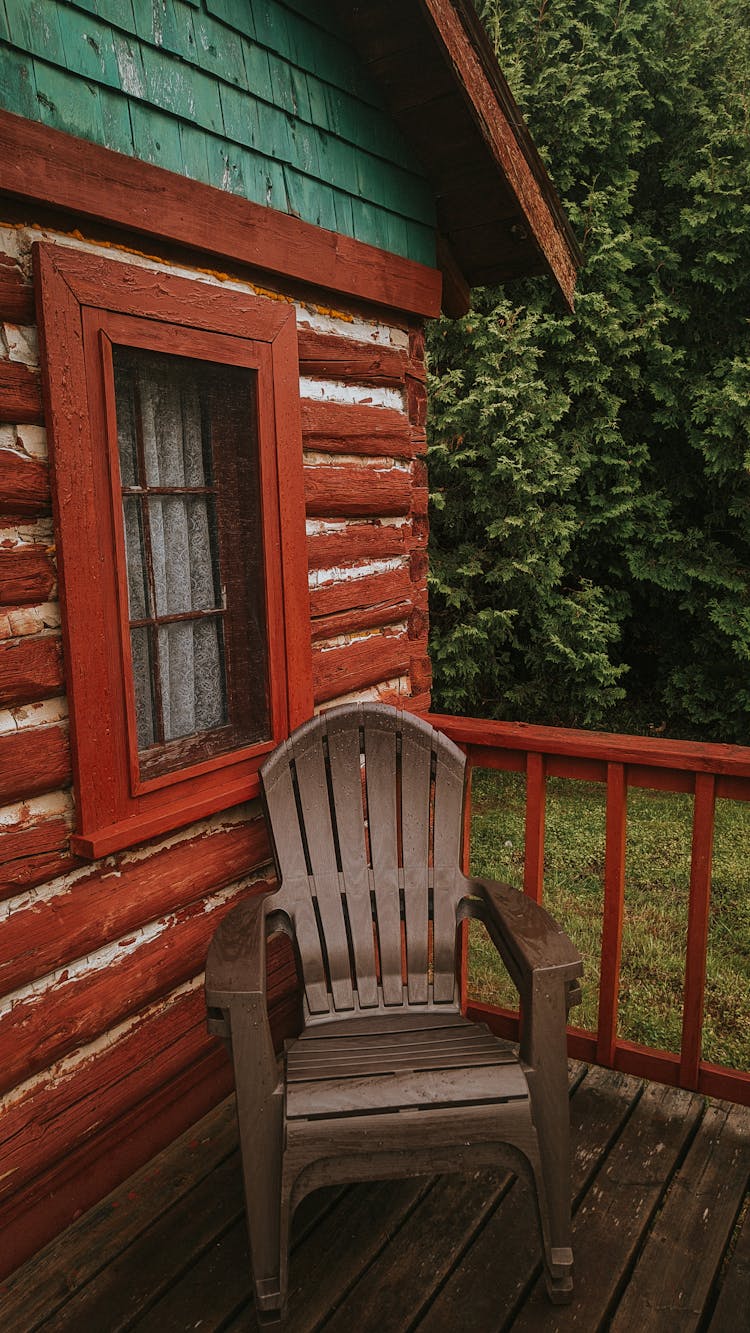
column 708, row 772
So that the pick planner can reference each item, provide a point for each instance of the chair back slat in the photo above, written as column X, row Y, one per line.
column 346, row 768
column 291, row 863
column 365, row 806
column 314, row 803
column 416, row 765
column 450, row 769
column 380, row 775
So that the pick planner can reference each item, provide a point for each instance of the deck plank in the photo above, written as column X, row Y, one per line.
column 617, row 1209
column 661, row 1237
column 672, row 1281
column 505, row 1258
column 734, row 1290
column 44, row 1284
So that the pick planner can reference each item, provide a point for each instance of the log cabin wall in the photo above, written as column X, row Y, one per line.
column 103, row 1051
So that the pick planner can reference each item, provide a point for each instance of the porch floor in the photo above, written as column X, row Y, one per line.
column 661, row 1237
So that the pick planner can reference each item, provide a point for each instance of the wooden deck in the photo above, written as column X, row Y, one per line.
column 661, row 1237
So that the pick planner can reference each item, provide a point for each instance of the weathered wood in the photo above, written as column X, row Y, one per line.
column 355, row 428
column 392, row 1291
column 50, row 932
column 30, row 669
column 704, row 811
column 614, row 907
column 67, row 1114
column 672, row 1281
column 602, row 747
column 734, row 1289
column 32, row 761
column 600, row 1105
column 144, row 1272
column 351, row 492
column 48, row 1280
column 20, row 394
column 76, row 1010
column 612, row 1220
column 27, row 575
column 58, row 1196
column 16, row 293
column 34, row 852
column 352, row 622
column 24, row 484
column 357, row 541
column 72, row 173
column 360, row 663
column 329, row 356
column 393, row 585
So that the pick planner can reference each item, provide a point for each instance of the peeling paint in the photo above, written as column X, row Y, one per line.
column 344, row 573
column 366, row 395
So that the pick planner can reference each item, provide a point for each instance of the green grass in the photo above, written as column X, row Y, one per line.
column 656, row 900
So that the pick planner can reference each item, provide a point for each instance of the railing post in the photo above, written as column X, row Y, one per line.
column 697, row 932
column 614, row 901
column 536, row 800
column 463, row 936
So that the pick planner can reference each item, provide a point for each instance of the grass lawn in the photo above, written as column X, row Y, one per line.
column 657, row 880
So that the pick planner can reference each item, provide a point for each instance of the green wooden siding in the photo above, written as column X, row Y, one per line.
column 257, row 97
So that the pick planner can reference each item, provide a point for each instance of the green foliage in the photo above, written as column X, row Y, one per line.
column 591, row 472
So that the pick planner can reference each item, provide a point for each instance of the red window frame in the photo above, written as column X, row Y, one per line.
column 87, row 301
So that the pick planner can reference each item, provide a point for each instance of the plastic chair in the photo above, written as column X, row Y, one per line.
column 386, row 1078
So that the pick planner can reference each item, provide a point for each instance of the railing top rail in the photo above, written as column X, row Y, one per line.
column 608, row 747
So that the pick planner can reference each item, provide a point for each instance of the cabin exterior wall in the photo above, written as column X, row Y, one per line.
column 103, row 1047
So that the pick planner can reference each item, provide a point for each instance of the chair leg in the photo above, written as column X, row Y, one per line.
column 260, row 1119
column 548, row 1087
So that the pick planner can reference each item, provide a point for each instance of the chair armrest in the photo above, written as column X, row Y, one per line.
column 236, row 962
column 529, row 939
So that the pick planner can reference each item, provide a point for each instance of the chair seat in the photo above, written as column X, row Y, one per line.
column 394, row 1062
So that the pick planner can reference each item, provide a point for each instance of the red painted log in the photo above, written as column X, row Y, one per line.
column 390, row 586
column 24, row 484
column 16, row 294
column 355, row 428
column 357, row 541
column 32, row 761
column 76, row 1010
column 57, row 1116
column 329, row 356
column 420, row 673
column 114, row 900
column 27, row 576
column 30, row 669
column 34, row 853
column 358, row 664
column 369, row 617
column 351, row 492
column 20, row 394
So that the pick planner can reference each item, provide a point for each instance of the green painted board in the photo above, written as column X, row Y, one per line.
column 261, row 98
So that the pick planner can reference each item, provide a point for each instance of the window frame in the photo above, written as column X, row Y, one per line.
column 82, row 298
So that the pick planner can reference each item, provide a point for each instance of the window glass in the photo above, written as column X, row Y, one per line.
column 191, row 506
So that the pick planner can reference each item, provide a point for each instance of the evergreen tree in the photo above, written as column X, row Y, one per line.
column 590, row 473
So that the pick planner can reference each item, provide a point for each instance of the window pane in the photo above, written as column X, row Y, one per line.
column 184, row 542
column 140, row 649
column 192, row 671
column 189, row 464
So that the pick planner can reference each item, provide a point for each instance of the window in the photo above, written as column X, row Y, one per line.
column 177, row 473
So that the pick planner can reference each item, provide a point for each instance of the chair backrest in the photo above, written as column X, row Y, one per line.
column 365, row 811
